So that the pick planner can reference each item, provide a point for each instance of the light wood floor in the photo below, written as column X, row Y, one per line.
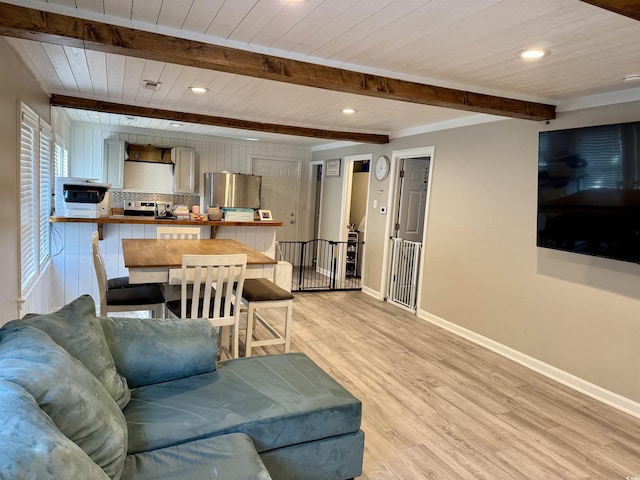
column 436, row 406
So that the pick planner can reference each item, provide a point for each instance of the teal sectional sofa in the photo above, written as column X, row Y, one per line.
column 86, row 397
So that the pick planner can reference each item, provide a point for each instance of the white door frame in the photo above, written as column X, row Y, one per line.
column 392, row 201
column 310, row 200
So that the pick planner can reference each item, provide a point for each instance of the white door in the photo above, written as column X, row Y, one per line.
column 280, row 193
column 413, row 199
column 406, row 243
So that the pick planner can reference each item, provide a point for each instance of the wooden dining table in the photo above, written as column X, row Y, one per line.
column 150, row 260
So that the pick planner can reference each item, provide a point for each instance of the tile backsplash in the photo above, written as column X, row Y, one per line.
column 119, row 198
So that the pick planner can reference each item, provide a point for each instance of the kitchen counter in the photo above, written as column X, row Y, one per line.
column 141, row 220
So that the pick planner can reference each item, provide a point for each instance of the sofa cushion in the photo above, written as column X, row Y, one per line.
column 277, row 400
column 76, row 328
column 32, row 446
column 154, row 350
column 67, row 392
column 225, row 457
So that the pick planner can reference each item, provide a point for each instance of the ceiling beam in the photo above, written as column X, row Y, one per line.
column 108, row 107
column 49, row 27
column 628, row 8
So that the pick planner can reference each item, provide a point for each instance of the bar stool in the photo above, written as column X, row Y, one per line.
column 259, row 294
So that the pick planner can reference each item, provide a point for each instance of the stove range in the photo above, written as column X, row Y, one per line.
column 140, row 208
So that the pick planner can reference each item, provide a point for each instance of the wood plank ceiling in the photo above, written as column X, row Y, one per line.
column 465, row 45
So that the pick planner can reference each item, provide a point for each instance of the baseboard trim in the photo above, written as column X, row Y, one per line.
column 594, row 391
column 372, row 293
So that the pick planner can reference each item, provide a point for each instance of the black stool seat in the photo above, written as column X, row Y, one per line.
column 118, row 282
column 263, row 290
column 141, row 295
column 123, row 282
column 175, row 307
column 260, row 294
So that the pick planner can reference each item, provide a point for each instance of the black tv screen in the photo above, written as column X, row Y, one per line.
column 589, row 191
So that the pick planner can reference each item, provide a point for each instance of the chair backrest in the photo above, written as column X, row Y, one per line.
column 225, row 274
column 101, row 273
column 180, row 233
column 177, row 233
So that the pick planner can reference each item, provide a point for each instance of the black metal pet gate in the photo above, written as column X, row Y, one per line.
column 322, row 265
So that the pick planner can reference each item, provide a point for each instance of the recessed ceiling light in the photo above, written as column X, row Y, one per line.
column 94, row 115
column 175, row 124
column 634, row 77
column 251, row 139
column 349, row 111
column 199, row 89
column 533, row 54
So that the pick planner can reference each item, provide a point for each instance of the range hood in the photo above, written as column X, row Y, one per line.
column 147, row 153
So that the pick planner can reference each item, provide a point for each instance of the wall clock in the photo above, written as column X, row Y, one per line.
column 381, row 169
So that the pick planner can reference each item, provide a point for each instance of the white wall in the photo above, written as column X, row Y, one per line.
column 484, row 273
column 16, row 84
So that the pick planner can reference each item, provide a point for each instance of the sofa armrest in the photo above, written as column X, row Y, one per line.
column 152, row 350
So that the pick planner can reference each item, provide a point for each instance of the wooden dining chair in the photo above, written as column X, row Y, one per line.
column 212, row 288
column 176, row 233
column 180, row 233
column 124, row 299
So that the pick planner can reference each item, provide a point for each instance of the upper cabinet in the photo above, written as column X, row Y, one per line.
column 184, row 174
column 149, row 169
column 113, row 166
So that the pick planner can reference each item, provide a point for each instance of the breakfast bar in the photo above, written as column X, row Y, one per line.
column 141, row 220
column 72, row 235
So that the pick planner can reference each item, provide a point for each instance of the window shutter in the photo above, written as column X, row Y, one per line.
column 61, row 157
column 44, row 193
column 28, row 230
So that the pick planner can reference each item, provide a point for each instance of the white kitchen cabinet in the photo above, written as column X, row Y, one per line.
column 113, row 163
column 184, row 174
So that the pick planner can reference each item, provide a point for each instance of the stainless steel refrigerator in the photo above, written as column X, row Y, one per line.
column 232, row 190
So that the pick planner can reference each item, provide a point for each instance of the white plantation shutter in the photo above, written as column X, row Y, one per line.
column 61, row 156
column 44, row 191
column 35, row 196
column 28, row 201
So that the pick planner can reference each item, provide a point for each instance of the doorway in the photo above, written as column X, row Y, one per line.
column 413, row 179
column 355, row 198
column 334, row 258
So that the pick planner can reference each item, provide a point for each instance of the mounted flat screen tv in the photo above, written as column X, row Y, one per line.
column 589, row 191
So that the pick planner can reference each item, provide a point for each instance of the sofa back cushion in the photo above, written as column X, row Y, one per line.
column 156, row 350
column 31, row 444
column 67, row 392
column 76, row 329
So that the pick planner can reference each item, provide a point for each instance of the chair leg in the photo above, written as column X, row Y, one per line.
column 224, row 339
column 287, row 326
column 250, row 319
column 236, row 341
